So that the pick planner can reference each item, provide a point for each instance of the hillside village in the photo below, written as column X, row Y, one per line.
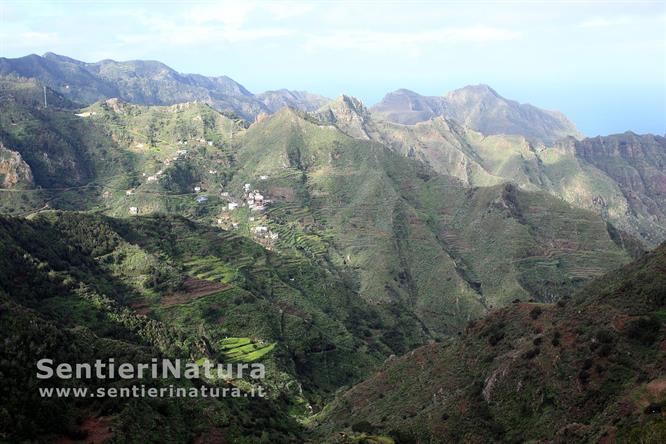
column 239, row 209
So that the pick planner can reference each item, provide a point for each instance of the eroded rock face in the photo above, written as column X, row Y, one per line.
column 350, row 115
column 637, row 163
column 13, row 169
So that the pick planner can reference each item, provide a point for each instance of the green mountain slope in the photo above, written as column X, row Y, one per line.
column 413, row 236
column 422, row 246
column 61, row 149
column 66, row 284
column 166, row 286
column 589, row 369
column 622, row 184
column 321, row 243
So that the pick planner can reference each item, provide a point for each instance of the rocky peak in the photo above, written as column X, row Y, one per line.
column 13, row 169
column 348, row 113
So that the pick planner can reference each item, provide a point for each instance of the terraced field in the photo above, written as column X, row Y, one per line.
column 243, row 349
column 210, row 268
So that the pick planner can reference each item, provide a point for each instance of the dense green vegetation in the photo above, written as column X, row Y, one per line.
column 620, row 177
column 422, row 246
column 321, row 244
column 64, row 287
column 99, row 280
column 587, row 369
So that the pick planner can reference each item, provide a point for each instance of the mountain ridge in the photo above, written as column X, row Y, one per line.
column 150, row 83
column 144, row 160
column 625, row 185
column 324, row 241
column 479, row 107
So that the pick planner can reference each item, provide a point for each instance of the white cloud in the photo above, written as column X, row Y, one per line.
column 230, row 14
column 195, row 35
column 605, row 22
column 29, row 40
column 377, row 40
column 225, row 22
column 281, row 10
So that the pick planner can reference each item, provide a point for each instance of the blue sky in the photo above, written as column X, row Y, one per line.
column 602, row 63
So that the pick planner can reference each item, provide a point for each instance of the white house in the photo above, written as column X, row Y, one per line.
column 129, row 192
column 263, row 177
column 197, row 189
column 247, row 187
column 134, row 210
column 232, row 205
column 260, row 229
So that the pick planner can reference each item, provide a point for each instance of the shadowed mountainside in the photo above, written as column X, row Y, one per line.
column 588, row 369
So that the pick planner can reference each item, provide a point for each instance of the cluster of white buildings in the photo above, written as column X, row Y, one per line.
column 254, row 199
column 263, row 232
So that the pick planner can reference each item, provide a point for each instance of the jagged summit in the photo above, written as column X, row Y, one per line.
column 348, row 113
column 351, row 103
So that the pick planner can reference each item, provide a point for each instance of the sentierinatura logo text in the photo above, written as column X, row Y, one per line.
column 156, row 369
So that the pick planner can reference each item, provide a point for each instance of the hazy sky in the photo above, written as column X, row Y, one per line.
column 603, row 63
